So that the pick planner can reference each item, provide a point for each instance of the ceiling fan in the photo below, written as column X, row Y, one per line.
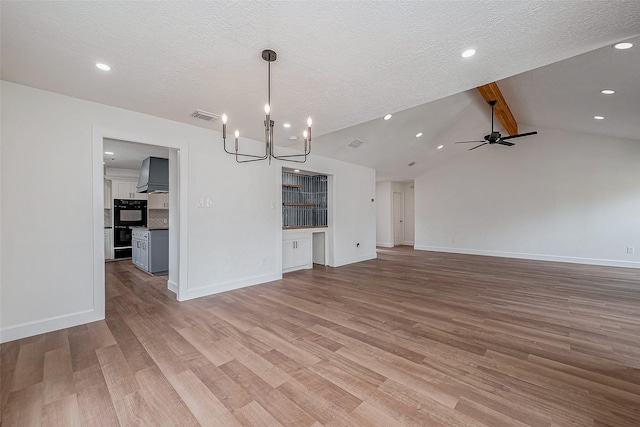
column 495, row 137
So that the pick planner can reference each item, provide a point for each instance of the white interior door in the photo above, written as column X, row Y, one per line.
column 398, row 218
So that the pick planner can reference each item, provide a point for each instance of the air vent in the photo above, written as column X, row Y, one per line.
column 205, row 115
column 412, row 163
column 355, row 143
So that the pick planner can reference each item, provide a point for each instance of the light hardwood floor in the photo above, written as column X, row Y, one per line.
column 411, row 338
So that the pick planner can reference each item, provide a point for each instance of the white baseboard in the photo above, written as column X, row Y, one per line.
column 408, row 243
column 172, row 286
column 229, row 286
column 37, row 327
column 354, row 259
column 385, row 245
column 535, row 257
column 300, row 267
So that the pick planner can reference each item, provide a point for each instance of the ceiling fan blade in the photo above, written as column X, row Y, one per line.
column 519, row 135
column 467, row 142
column 507, row 143
column 477, row 146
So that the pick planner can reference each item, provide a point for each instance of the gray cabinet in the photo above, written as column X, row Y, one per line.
column 139, row 250
column 150, row 250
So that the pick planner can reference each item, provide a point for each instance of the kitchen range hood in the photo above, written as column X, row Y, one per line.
column 154, row 176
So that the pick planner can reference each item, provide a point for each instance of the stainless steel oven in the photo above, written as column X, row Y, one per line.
column 130, row 213
column 121, row 236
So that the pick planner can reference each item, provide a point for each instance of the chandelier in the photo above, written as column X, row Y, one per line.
column 269, row 56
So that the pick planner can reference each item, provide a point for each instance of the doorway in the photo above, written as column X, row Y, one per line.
column 398, row 218
column 178, row 159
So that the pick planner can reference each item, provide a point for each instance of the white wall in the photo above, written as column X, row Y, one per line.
column 51, row 192
column 555, row 196
column 384, row 212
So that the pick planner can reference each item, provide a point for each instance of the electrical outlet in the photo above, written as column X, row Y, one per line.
column 201, row 203
column 629, row 250
column 164, row 220
column 209, row 203
column 453, row 240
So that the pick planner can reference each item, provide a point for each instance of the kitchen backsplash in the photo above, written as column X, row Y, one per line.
column 158, row 218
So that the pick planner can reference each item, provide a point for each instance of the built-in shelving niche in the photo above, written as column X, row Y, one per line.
column 304, row 200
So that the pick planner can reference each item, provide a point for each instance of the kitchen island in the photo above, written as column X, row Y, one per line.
column 150, row 249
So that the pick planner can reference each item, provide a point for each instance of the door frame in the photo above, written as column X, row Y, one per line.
column 393, row 217
column 179, row 156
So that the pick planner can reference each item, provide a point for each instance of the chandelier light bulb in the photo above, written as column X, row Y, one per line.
column 309, row 121
column 237, row 134
column 224, row 119
column 305, row 134
column 267, row 109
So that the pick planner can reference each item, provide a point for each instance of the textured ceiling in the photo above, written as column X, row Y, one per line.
column 343, row 63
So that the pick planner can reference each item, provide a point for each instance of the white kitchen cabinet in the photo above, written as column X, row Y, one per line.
column 296, row 251
column 158, row 201
column 126, row 189
column 108, row 243
column 108, row 200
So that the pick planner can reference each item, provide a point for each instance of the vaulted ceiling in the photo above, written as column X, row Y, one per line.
column 346, row 64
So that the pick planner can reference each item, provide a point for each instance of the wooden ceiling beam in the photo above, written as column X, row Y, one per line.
column 491, row 92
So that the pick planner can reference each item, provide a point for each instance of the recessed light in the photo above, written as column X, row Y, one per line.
column 418, row 135
column 108, row 152
column 440, row 146
column 623, row 45
column 387, row 117
column 296, row 170
column 608, row 91
column 287, row 125
column 103, row 67
column 598, row 117
column 468, row 53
